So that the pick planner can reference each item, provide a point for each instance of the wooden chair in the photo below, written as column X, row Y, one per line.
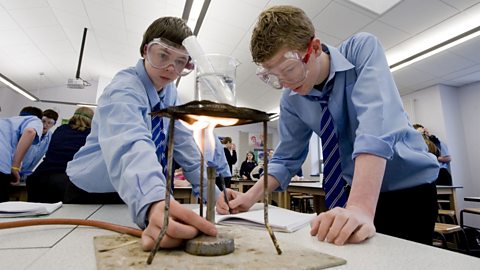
column 444, row 229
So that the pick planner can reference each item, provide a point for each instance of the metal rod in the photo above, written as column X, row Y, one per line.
column 202, row 160
column 211, row 173
column 168, row 190
column 77, row 76
column 265, row 190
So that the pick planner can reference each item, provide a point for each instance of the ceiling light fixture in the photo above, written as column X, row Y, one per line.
column 17, row 88
column 436, row 49
column 93, row 105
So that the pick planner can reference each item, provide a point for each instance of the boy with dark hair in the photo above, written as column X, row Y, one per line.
column 373, row 158
column 37, row 151
column 125, row 152
column 17, row 134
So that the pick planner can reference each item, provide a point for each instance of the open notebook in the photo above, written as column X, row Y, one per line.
column 281, row 220
column 24, row 209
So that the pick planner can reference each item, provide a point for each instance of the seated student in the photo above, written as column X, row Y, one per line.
column 125, row 156
column 17, row 134
column 36, row 152
column 49, row 181
column 247, row 166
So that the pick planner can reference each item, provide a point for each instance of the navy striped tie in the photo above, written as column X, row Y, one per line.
column 333, row 182
column 158, row 137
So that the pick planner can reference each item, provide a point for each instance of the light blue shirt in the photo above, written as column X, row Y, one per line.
column 444, row 152
column 35, row 154
column 119, row 154
column 11, row 129
column 368, row 116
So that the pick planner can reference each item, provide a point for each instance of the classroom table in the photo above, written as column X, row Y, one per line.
column 71, row 247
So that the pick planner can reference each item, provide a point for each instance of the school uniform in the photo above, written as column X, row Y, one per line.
column 11, row 129
column 34, row 154
column 119, row 154
column 369, row 118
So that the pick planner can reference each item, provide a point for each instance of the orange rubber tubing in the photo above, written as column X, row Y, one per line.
column 72, row 221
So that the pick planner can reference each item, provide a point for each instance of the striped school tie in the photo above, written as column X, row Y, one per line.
column 333, row 183
column 158, row 137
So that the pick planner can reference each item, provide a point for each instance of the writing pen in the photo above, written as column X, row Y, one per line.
column 225, row 196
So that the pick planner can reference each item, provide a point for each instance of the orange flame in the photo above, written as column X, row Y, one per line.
column 208, row 124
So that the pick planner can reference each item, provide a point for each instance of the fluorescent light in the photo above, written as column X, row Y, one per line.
column 87, row 105
column 194, row 13
column 17, row 88
column 80, row 104
column 377, row 6
column 436, row 49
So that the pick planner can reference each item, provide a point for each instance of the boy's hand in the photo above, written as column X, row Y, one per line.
column 239, row 202
column 183, row 224
column 343, row 225
column 15, row 178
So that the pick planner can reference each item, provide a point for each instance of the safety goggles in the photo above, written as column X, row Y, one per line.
column 48, row 122
column 291, row 70
column 160, row 55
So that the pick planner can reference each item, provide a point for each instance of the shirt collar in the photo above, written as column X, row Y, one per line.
column 153, row 96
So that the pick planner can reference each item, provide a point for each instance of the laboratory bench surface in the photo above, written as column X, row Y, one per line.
column 71, row 247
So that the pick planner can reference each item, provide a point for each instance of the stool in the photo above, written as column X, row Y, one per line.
column 302, row 201
column 443, row 229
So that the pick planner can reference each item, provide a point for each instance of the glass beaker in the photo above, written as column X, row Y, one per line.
column 215, row 78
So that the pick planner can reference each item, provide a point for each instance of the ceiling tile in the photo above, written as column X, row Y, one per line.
column 461, row 4
column 6, row 22
column 337, row 25
column 24, row 4
column 410, row 76
column 414, row 16
column 34, row 17
column 239, row 14
column 311, row 8
column 389, row 36
column 442, row 64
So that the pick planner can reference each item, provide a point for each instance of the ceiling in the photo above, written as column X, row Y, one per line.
column 44, row 37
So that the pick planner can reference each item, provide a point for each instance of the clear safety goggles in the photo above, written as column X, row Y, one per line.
column 291, row 70
column 160, row 55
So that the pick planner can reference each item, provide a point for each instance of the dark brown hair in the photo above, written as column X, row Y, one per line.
column 171, row 28
column 280, row 27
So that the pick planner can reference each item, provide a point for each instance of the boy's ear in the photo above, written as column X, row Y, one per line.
column 316, row 46
column 145, row 50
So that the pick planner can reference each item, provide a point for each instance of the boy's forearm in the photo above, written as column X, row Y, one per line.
column 255, row 193
column 367, row 181
column 22, row 147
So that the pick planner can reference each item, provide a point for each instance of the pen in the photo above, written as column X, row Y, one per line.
column 225, row 196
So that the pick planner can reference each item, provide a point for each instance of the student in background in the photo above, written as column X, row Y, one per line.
column 231, row 157
column 37, row 151
column 440, row 150
column 17, row 134
column 49, row 181
column 347, row 95
column 247, row 166
column 125, row 154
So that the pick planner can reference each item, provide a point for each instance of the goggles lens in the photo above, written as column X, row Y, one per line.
column 292, row 70
column 161, row 55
